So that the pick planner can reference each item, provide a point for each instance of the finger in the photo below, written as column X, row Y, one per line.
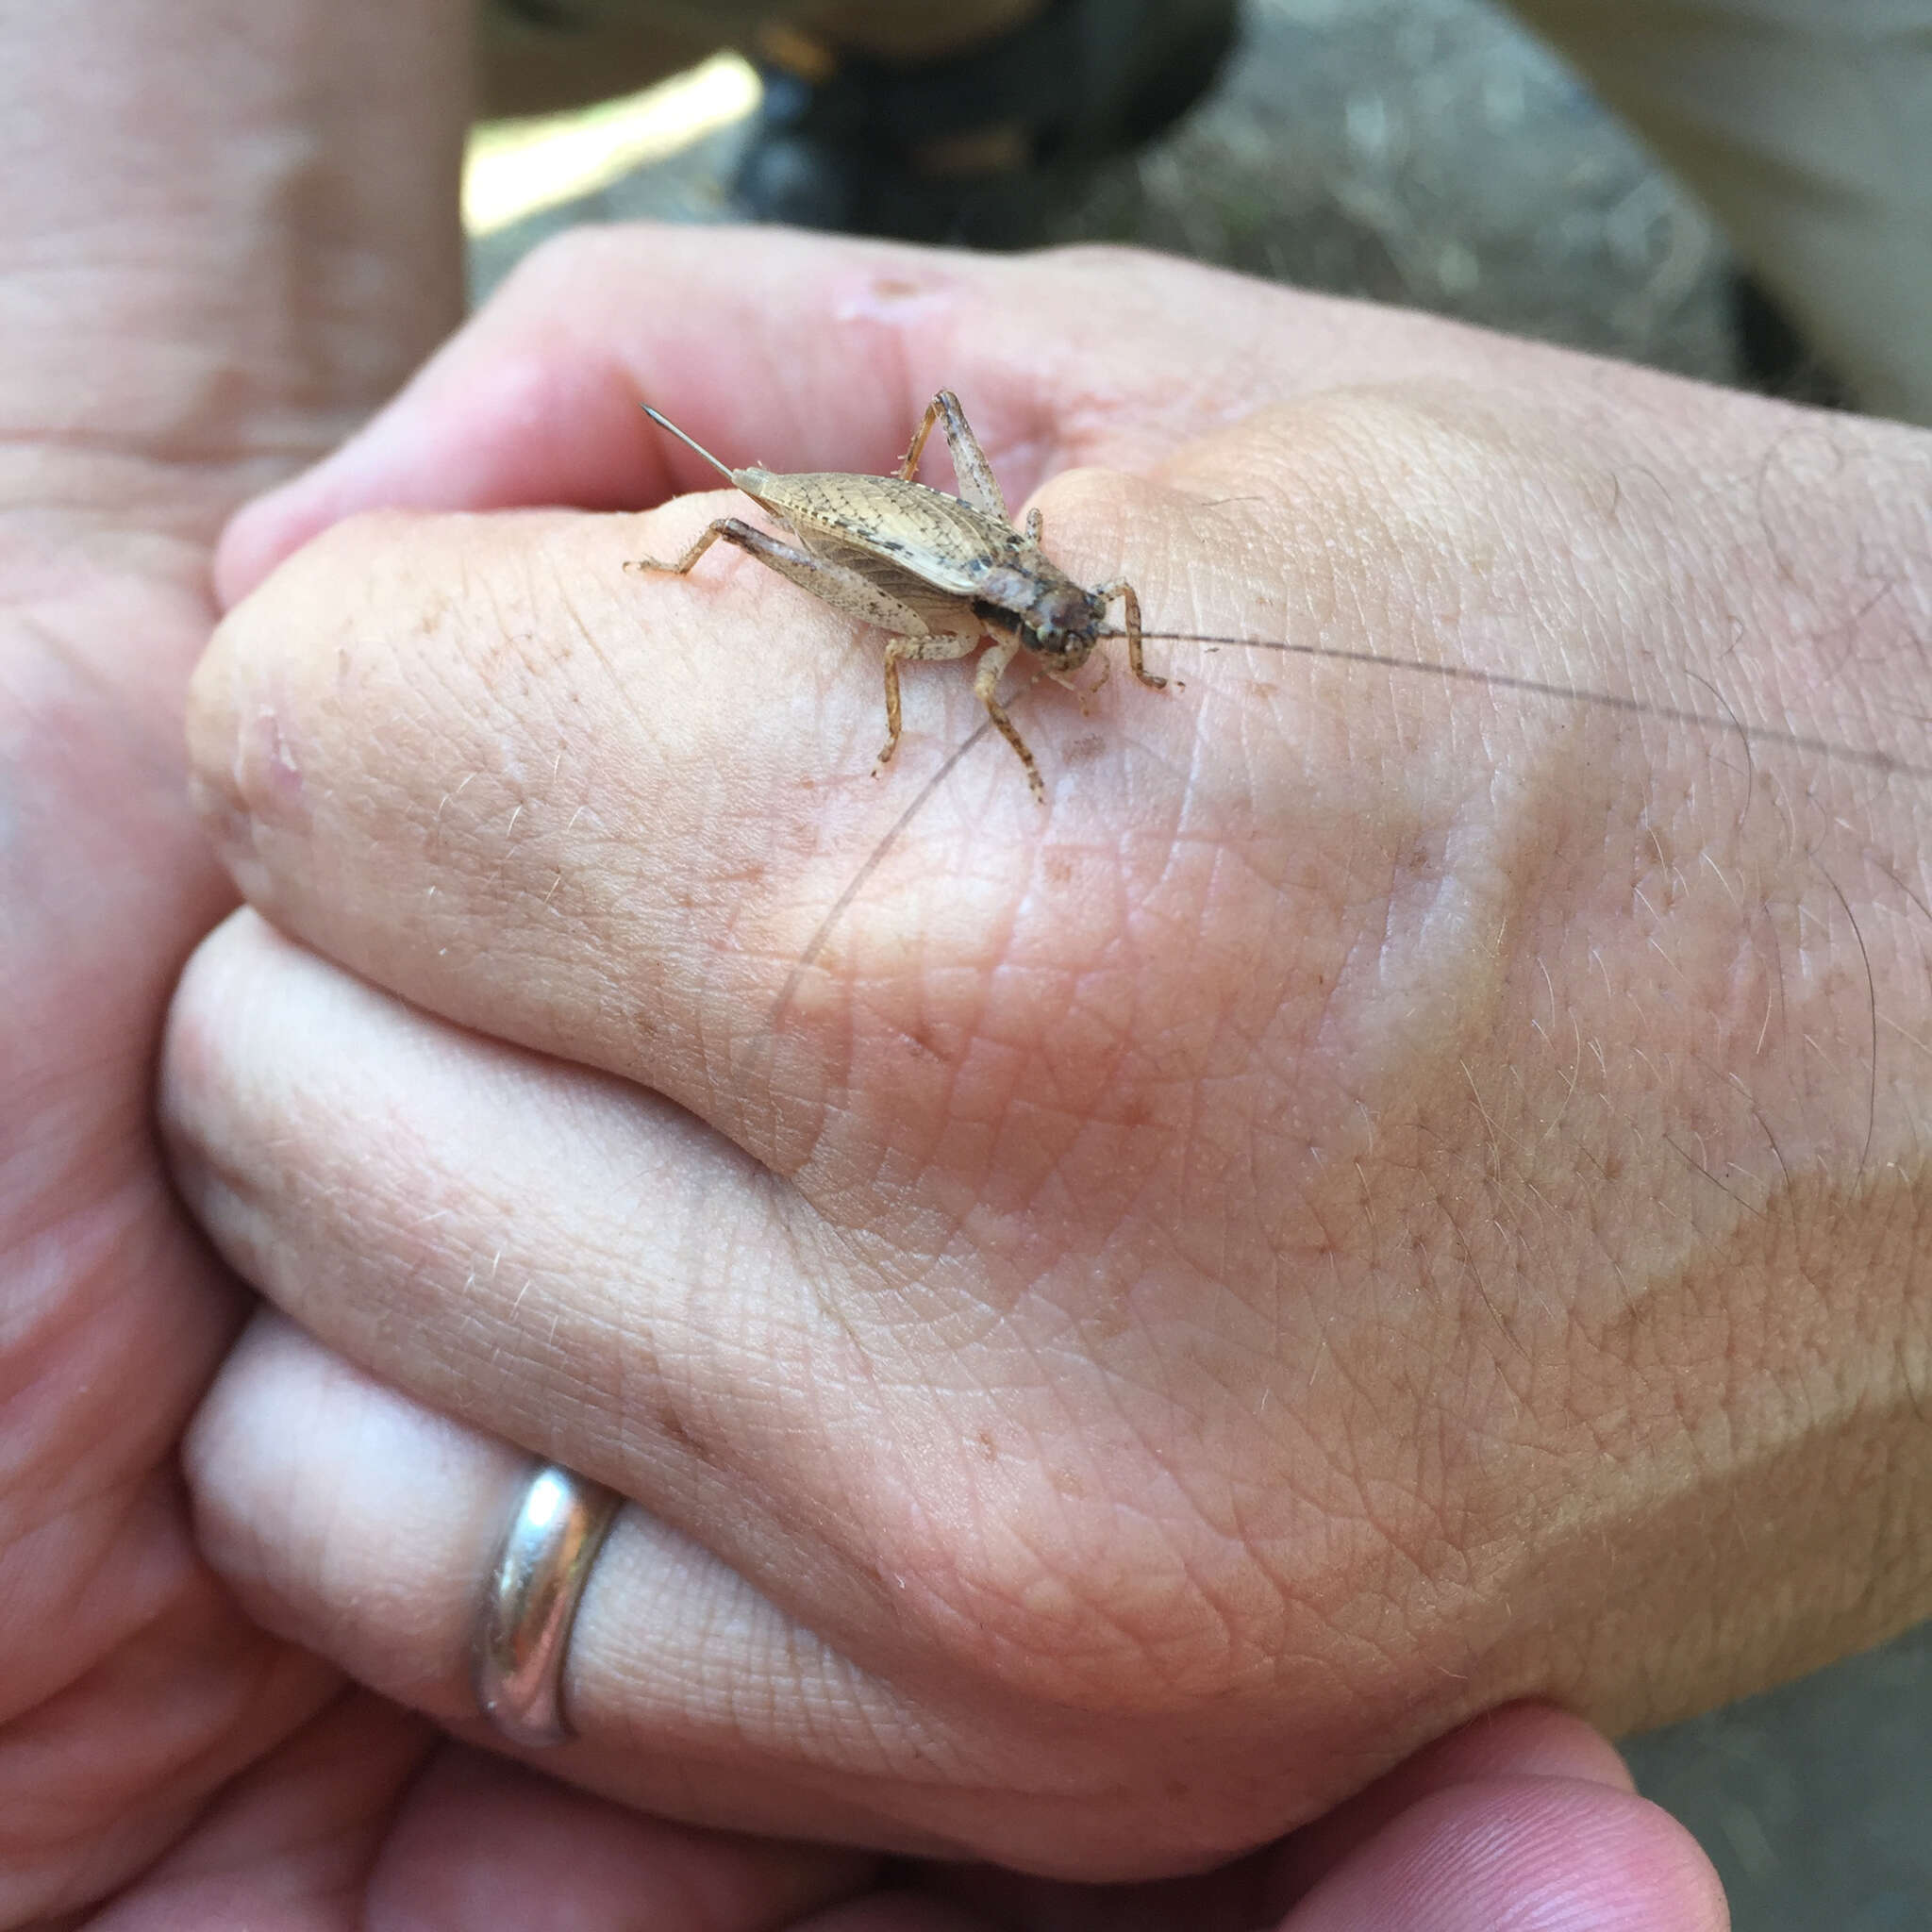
column 304, row 1823
column 1533, row 1854
column 352, row 1520
column 360, row 1819
column 1519, row 1741
column 573, row 1266
column 483, row 1843
column 808, row 352
column 1474, row 1826
column 1527, row 1816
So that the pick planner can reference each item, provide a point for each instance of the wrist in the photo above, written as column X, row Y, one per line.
column 1744, row 986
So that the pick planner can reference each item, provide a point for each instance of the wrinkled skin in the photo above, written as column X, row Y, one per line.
column 1392, row 1195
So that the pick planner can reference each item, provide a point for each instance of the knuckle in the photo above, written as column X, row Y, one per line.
column 556, row 268
column 1050, row 1589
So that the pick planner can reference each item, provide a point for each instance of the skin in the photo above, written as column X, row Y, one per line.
column 1392, row 1196
column 230, row 232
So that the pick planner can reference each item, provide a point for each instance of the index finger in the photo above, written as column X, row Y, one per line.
column 802, row 352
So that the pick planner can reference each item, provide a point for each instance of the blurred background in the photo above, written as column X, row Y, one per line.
column 1429, row 153
column 1426, row 152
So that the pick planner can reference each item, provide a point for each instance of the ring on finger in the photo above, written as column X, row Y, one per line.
column 524, row 1623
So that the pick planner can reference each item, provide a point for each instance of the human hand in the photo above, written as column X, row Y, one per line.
column 1394, row 1195
column 229, row 231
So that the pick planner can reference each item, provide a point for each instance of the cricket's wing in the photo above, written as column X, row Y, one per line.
column 855, row 592
column 915, row 543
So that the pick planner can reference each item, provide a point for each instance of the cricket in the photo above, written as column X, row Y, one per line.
column 944, row 574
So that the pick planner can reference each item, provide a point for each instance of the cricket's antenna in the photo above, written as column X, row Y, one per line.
column 665, row 422
column 1726, row 720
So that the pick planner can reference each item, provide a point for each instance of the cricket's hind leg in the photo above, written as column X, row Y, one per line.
column 831, row 583
column 733, row 531
column 977, row 484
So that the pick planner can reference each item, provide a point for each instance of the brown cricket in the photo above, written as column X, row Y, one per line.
column 943, row 574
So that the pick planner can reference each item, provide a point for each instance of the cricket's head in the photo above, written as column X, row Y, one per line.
column 1056, row 621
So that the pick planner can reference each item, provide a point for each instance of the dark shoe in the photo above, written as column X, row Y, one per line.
column 1773, row 358
column 865, row 148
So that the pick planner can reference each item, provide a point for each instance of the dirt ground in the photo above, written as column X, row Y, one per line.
column 1428, row 152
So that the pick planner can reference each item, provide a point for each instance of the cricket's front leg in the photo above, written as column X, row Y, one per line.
column 1123, row 590
column 1091, row 689
column 985, row 686
column 977, row 484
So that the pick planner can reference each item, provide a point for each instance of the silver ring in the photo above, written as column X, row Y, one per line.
column 523, row 1628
